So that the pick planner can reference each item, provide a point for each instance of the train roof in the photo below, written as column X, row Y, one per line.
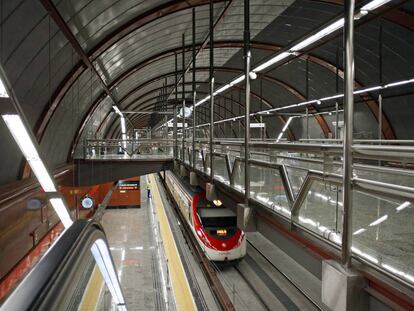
column 216, row 212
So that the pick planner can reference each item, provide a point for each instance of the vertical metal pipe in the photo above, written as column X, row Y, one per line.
column 337, row 91
column 211, row 88
column 307, row 97
column 194, row 89
column 307, row 123
column 336, row 120
column 380, row 117
column 380, row 82
column 348, row 133
column 175, row 109
column 183, row 98
column 247, row 56
column 166, row 107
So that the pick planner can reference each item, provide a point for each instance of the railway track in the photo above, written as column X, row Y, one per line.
column 253, row 284
column 214, row 283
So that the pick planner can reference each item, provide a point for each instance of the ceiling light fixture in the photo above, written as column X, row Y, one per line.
column 29, row 150
column 25, row 143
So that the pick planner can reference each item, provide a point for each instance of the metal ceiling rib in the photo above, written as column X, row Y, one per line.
column 262, row 14
column 90, row 21
column 45, row 71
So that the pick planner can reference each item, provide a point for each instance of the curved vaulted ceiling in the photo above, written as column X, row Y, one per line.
column 132, row 46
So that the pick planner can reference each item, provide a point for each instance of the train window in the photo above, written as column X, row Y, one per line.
column 219, row 222
column 218, row 217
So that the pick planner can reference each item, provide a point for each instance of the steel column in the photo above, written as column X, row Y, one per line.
column 348, row 133
column 175, row 110
column 194, row 89
column 211, row 89
column 183, row 99
column 247, row 56
column 380, row 117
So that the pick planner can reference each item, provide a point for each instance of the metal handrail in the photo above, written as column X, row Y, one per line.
column 48, row 282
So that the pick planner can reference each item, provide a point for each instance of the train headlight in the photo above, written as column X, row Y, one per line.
column 217, row 202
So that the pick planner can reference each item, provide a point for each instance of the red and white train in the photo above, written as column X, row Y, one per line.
column 213, row 225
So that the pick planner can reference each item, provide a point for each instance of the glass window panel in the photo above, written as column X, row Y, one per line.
column 320, row 211
column 207, row 167
column 296, row 177
column 382, row 232
column 266, row 186
column 199, row 160
column 387, row 177
column 238, row 175
column 220, row 169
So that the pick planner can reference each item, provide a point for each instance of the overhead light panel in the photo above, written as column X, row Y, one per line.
column 319, row 35
column 373, row 5
column 25, row 143
column 271, row 61
column 123, row 127
column 61, row 211
column 237, row 80
column 116, row 109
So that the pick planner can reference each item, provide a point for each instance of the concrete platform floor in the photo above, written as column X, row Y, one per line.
column 131, row 239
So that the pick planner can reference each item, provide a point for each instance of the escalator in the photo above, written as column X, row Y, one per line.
column 76, row 273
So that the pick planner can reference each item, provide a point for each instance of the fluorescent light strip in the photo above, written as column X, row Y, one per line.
column 359, row 231
column 375, row 4
column 284, row 129
column 305, row 43
column 364, row 90
column 403, row 206
column 104, row 261
column 117, row 110
column 272, row 61
column 378, row 221
column 61, row 211
column 25, row 143
column 123, row 127
column 319, row 35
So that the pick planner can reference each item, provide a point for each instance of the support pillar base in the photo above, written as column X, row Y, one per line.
column 245, row 218
column 211, row 193
column 193, row 179
column 342, row 288
column 183, row 171
column 176, row 166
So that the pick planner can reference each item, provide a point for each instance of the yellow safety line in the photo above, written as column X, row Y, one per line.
column 93, row 291
column 183, row 296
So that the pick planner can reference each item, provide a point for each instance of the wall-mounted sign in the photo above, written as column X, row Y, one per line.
column 178, row 124
column 128, row 185
column 34, row 204
column 87, row 202
column 257, row 125
column 187, row 112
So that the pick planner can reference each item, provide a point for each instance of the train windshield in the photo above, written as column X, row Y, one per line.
column 217, row 217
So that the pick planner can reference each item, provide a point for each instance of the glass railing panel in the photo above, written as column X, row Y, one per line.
column 267, row 187
column 199, row 161
column 238, row 175
column 395, row 178
column 320, row 211
column 96, row 293
column 297, row 162
column 383, row 231
column 260, row 154
column 186, row 156
column 220, row 169
column 207, row 166
column 296, row 177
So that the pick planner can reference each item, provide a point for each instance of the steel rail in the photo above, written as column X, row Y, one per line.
column 213, row 281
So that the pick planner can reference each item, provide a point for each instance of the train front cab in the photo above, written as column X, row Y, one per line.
column 216, row 229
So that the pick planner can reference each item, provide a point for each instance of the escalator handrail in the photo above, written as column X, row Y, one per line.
column 43, row 286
